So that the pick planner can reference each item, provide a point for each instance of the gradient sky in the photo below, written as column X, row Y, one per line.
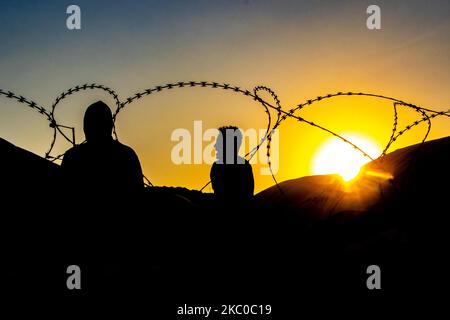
column 301, row 49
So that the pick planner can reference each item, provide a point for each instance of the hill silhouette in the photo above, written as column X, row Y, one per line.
column 411, row 170
column 23, row 171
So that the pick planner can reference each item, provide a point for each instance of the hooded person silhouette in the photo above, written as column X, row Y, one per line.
column 231, row 175
column 101, row 165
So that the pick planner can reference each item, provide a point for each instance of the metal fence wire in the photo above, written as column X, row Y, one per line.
column 426, row 115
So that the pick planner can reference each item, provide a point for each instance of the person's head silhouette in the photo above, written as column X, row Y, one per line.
column 231, row 175
column 228, row 144
column 98, row 122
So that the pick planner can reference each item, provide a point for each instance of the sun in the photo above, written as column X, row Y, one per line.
column 336, row 156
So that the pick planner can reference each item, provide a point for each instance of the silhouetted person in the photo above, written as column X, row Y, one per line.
column 101, row 166
column 231, row 175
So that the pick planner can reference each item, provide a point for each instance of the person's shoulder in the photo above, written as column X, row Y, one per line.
column 243, row 161
column 73, row 155
column 75, row 150
column 214, row 167
column 124, row 148
column 248, row 167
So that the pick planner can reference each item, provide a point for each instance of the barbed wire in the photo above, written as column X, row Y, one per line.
column 427, row 114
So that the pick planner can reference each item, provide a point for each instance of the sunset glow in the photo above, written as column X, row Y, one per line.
column 337, row 157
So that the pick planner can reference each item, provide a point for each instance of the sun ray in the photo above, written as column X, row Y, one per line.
column 337, row 157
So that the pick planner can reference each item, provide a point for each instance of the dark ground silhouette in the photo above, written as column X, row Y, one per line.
column 178, row 245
